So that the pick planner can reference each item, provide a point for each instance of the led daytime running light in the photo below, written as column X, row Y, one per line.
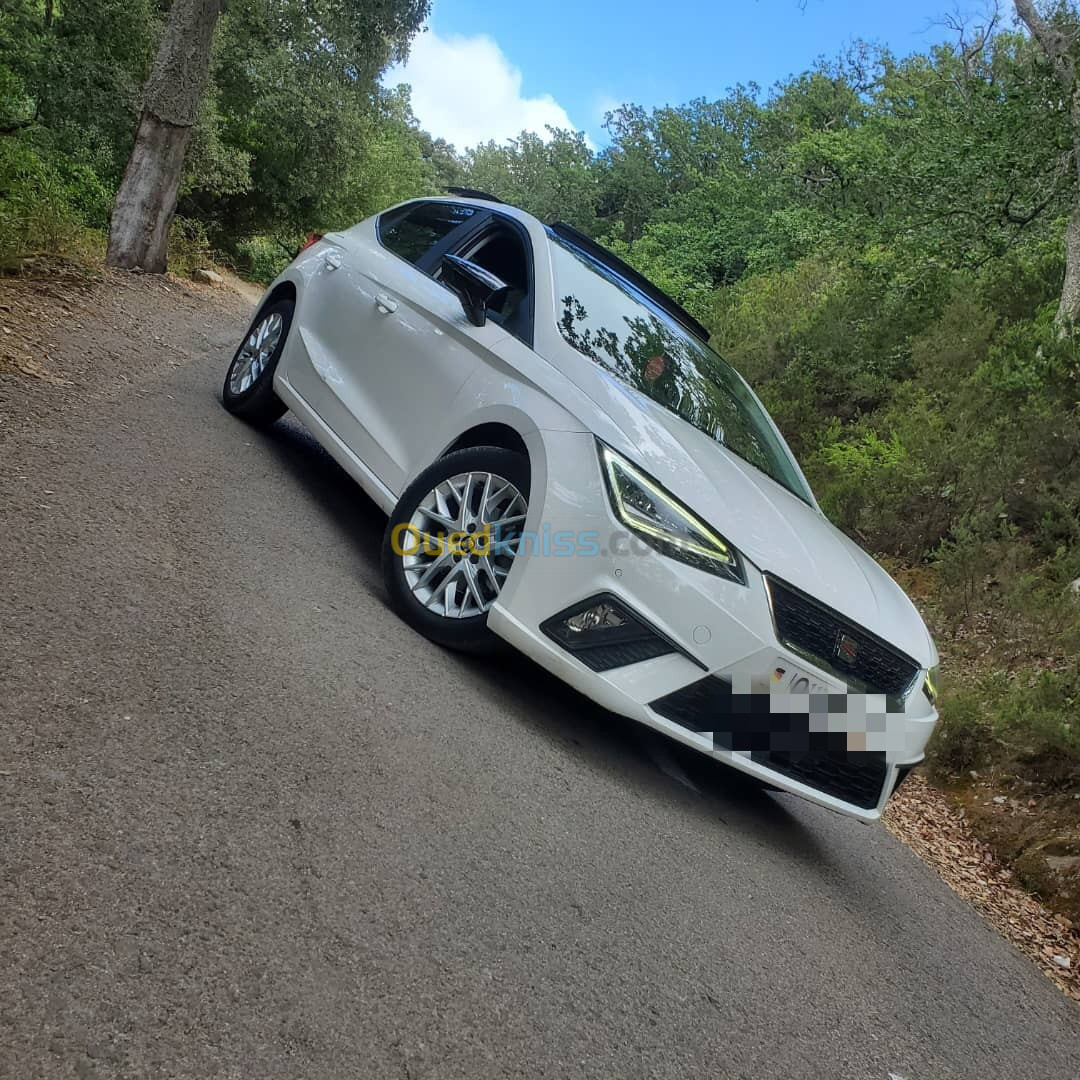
column 720, row 553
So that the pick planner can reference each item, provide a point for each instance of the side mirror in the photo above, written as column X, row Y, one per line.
column 474, row 286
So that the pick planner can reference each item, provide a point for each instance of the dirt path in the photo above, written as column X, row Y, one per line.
column 75, row 342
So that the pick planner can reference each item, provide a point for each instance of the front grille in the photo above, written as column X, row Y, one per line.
column 839, row 645
column 854, row 777
column 699, row 707
column 745, row 723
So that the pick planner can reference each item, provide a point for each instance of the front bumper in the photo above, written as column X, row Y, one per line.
column 725, row 642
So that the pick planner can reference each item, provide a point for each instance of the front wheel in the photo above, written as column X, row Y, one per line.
column 249, row 383
column 451, row 541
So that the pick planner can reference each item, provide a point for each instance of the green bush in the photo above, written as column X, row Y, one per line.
column 46, row 207
column 1038, row 723
column 968, row 560
column 262, row 258
column 861, row 473
column 964, row 738
column 189, row 247
column 1027, row 726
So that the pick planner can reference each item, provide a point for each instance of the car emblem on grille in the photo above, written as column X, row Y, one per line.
column 846, row 649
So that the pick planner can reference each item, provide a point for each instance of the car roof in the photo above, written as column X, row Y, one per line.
column 491, row 203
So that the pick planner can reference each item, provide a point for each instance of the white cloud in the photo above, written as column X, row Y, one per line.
column 603, row 104
column 466, row 91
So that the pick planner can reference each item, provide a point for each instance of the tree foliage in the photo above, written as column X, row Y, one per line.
column 294, row 131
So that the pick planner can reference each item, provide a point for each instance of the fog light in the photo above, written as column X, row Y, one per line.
column 603, row 633
column 602, row 614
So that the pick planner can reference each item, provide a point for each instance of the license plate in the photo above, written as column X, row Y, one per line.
column 788, row 679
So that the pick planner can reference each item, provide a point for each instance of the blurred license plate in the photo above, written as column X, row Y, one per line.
column 788, row 679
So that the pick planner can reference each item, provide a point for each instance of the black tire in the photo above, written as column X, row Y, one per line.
column 257, row 403
column 470, row 634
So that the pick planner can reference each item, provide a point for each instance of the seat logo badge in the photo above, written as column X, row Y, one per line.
column 846, row 649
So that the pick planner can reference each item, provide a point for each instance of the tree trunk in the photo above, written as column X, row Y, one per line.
column 139, row 230
column 1068, row 313
column 1057, row 48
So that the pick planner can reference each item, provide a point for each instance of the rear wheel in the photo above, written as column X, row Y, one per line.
column 451, row 541
column 249, row 383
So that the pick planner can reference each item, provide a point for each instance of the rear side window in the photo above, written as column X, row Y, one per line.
column 413, row 230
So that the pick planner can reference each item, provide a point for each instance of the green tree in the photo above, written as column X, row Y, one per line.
column 172, row 99
column 551, row 177
column 290, row 80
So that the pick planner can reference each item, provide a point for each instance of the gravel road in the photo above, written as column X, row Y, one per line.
column 254, row 827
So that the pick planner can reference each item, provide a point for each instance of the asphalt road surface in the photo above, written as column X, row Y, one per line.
column 254, row 827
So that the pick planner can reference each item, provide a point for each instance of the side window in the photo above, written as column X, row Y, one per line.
column 411, row 231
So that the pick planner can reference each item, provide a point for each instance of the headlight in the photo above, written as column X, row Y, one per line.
column 644, row 507
column 932, row 685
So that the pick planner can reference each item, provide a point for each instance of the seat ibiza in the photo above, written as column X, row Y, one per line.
column 567, row 466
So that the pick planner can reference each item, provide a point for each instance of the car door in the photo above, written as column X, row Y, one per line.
column 402, row 343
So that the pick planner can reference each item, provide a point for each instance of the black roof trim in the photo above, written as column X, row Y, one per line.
column 472, row 193
column 639, row 281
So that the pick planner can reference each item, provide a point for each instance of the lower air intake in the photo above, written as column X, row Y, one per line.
column 855, row 777
column 781, row 741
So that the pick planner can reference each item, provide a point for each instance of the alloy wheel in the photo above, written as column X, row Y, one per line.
column 462, row 580
column 255, row 353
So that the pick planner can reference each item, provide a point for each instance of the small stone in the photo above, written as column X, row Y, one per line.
column 1063, row 864
column 207, row 277
column 1000, row 800
column 1062, row 961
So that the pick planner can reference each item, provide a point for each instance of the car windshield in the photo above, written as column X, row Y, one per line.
column 607, row 319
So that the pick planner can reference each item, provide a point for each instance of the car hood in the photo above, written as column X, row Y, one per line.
column 774, row 529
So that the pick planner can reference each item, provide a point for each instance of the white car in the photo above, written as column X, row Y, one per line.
column 567, row 466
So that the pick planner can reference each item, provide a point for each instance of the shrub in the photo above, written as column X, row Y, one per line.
column 45, row 207
column 1038, row 723
column 189, row 247
column 859, row 472
column 262, row 258
column 964, row 738
column 967, row 561
column 1026, row 726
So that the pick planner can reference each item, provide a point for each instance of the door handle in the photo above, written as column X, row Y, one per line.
column 332, row 260
column 385, row 303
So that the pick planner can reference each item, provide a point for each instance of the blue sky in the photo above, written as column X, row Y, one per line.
column 485, row 70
